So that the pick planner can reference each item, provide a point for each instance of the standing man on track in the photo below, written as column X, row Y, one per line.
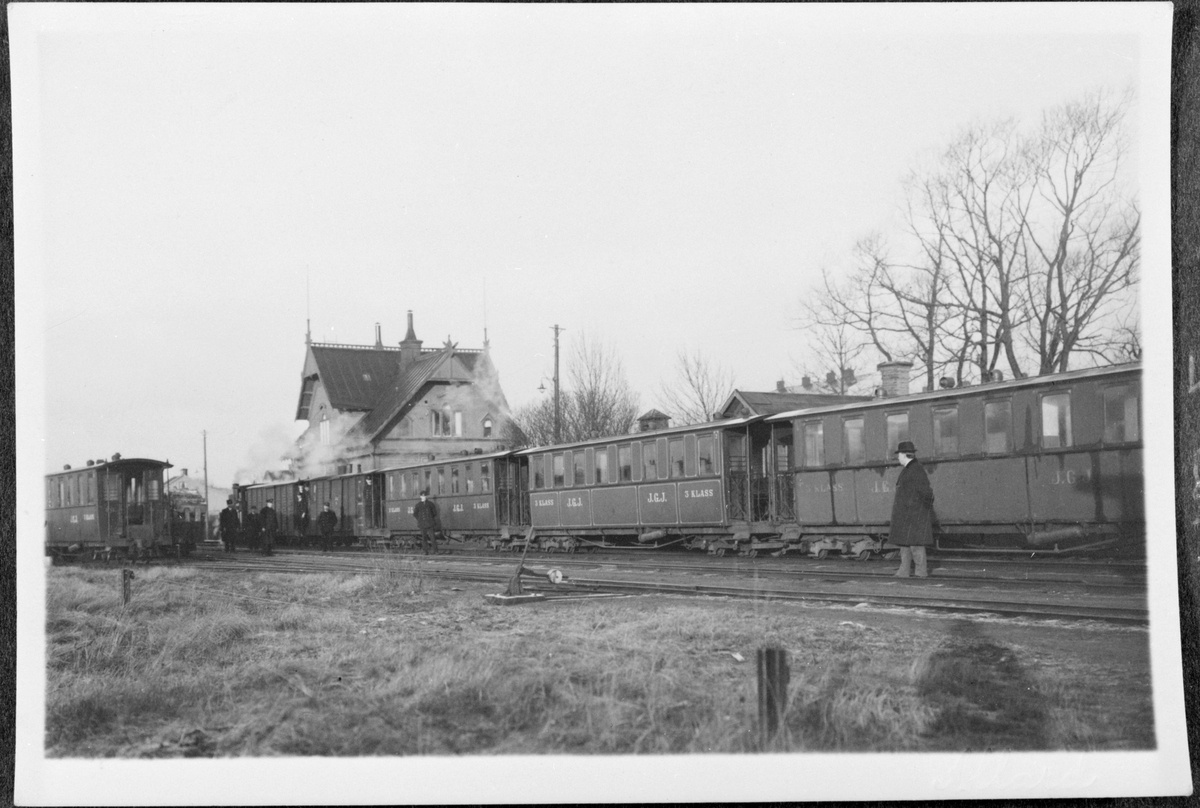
column 326, row 522
column 428, row 521
column 268, row 523
column 912, row 513
column 229, row 525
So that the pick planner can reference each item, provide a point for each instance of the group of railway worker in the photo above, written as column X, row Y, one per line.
column 252, row 527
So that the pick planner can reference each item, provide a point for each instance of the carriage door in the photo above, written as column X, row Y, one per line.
column 761, row 471
column 783, row 503
column 737, row 489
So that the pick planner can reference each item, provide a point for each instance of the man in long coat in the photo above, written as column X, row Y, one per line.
column 912, row 513
column 428, row 521
column 326, row 523
column 268, row 522
column 229, row 525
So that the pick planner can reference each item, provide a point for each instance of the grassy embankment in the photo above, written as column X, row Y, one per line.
column 203, row 663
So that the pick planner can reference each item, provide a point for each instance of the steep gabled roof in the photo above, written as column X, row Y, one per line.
column 404, row 388
column 354, row 376
column 773, row 403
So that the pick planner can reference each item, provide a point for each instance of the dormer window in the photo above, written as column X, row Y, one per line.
column 487, row 427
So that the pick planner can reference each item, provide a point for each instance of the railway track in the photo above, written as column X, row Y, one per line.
column 1118, row 603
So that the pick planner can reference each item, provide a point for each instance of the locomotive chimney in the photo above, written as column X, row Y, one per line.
column 410, row 348
column 894, row 377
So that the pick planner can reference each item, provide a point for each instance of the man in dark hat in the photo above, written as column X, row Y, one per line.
column 426, row 514
column 912, row 513
column 326, row 523
column 268, row 523
column 229, row 525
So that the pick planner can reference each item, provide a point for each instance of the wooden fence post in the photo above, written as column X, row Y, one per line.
column 126, row 585
column 772, row 694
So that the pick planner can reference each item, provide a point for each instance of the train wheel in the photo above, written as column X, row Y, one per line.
column 753, row 553
column 720, row 552
column 822, row 554
column 863, row 555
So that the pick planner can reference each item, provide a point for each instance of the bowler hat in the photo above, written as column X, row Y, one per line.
column 906, row 447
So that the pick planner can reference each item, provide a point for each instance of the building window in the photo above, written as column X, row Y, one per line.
column 705, row 454
column 675, row 456
column 1120, row 415
column 457, row 424
column 324, row 430
column 853, row 448
column 306, row 394
column 625, row 462
column 945, row 431
column 560, row 477
column 404, row 428
column 485, row 477
column 1056, row 421
column 649, row 461
column 997, row 427
column 487, row 427
column 814, row 443
column 580, row 460
column 897, row 430
column 601, row 466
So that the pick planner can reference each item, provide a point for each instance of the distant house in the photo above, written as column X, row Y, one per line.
column 374, row 406
column 187, row 496
column 744, row 403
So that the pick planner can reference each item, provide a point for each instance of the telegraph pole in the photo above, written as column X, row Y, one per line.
column 557, row 408
column 204, row 433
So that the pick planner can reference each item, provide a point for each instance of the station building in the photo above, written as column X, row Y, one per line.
column 374, row 406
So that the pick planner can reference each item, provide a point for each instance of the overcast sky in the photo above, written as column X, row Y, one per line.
column 202, row 178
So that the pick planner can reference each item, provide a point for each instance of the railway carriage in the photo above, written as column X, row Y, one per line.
column 652, row 489
column 115, row 506
column 1048, row 464
column 479, row 496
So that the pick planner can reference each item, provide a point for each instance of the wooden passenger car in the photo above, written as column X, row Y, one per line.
column 110, row 506
column 650, row 489
column 1048, row 463
column 478, row 496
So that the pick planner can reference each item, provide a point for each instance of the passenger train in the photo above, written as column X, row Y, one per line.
column 1048, row 464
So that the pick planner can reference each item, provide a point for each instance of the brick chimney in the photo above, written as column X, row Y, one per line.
column 780, row 387
column 378, row 336
column 410, row 348
column 894, row 377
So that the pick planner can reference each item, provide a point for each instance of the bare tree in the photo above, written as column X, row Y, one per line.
column 603, row 403
column 1084, row 233
column 698, row 389
column 596, row 401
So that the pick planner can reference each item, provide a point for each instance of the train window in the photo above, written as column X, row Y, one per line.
column 49, row 494
column 454, row 480
column 814, row 443
column 705, row 451
column 601, row 466
column 997, row 427
column 441, row 489
column 854, row 448
column 152, row 486
column 485, row 477
column 580, row 460
column 945, row 431
column 428, row 480
column 1056, row 421
column 67, row 487
column 539, row 472
column 1120, row 415
column 560, row 471
column 897, row 430
column 783, row 453
column 649, row 461
column 625, row 462
column 112, row 487
column 469, row 474
column 675, row 450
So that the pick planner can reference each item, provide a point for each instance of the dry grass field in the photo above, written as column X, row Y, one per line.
column 202, row 663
